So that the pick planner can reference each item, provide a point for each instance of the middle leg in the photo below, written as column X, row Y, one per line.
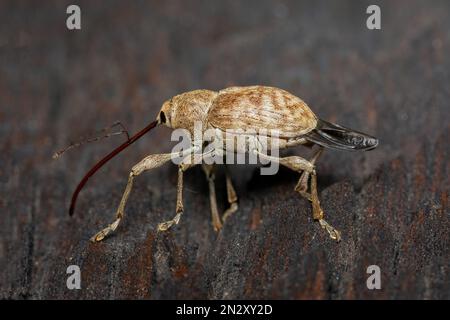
column 209, row 170
column 231, row 196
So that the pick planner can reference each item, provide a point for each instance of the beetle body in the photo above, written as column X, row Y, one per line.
column 254, row 108
column 236, row 110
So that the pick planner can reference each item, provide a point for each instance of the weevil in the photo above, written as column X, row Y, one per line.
column 234, row 108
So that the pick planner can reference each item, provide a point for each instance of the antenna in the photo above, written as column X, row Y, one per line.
column 103, row 161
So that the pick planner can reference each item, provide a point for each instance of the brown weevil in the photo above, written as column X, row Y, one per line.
column 232, row 109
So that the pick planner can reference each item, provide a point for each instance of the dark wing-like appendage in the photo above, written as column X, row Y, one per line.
column 334, row 136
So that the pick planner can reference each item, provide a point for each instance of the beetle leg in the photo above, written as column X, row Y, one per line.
column 300, row 164
column 295, row 163
column 318, row 212
column 210, row 176
column 149, row 162
column 181, row 169
column 179, row 208
column 231, row 196
column 302, row 184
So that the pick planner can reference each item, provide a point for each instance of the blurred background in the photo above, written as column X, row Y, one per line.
column 391, row 204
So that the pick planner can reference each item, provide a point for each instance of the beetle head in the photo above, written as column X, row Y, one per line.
column 183, row 110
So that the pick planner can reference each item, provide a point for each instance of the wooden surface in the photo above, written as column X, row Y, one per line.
column 391, row 204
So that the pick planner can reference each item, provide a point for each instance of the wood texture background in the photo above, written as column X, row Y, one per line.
column 391, row 204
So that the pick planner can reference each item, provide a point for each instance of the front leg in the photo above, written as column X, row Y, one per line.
column 150, row 162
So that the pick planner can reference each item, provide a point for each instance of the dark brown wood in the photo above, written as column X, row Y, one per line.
column 391, row 204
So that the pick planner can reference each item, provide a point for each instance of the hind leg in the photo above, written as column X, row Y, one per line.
column 300, row 164
column 318, row 212
column 302, row 187
column 302, row 184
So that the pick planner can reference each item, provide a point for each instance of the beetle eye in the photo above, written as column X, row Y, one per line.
column 162, row 117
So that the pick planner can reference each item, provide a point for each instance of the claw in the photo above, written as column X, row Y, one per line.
column 164, row 226
column 334, row 234
column 99, row 236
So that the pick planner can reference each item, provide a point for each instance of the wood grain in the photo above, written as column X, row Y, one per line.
column 391, row 204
